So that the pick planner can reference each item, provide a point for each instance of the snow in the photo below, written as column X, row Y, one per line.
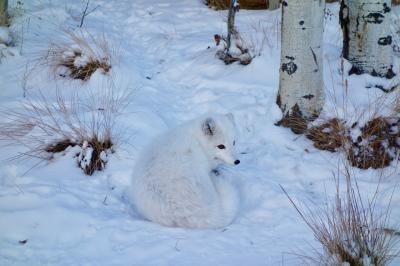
column 81, row 61
column 4, row 35
column 167, row 61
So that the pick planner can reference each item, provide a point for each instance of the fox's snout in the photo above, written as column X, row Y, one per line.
column 232, row 161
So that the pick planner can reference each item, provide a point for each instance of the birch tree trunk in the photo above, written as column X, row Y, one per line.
column 366, row 36
column 231, row 23
column 273, row 4
column 3, row 12
column 300, row 94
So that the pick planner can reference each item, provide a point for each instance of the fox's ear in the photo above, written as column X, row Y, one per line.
column 230, row 117
column 208, row 126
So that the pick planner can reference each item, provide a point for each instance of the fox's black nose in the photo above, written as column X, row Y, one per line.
column 237, row 162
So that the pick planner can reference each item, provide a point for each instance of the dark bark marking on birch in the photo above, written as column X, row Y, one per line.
column 344, row 23
column 386, row 9
column 385, row 40
column 278, row 101
column 309, row 96
column 315, row 60
column 356, row 70
column 390, row 74
column 289, row 68
column 374, row 17
column 284, row 3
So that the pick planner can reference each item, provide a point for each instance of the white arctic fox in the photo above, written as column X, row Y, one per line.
column 175, row 182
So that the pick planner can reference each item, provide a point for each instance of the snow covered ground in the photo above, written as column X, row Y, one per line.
column 167, row 59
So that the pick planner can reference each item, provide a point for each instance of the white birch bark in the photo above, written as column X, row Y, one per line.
column 3, row 12
column 231, row 23
column 301, row 73
column 366, row 36
column 273, row 4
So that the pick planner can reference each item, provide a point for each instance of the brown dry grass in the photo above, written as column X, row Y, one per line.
column 375, row 147
column 349, row 228
column 46, row 127
column 396, row 103
column 92, row 156
column 84, row 72
column 328, row 136
column 80, row 55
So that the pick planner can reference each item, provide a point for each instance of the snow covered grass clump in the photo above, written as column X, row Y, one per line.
column 239, row 52
column 329, row 135
column 85, row 123
column 80, row 55
column 246, row 44
column 374, row 144
column 351, row 230
column 367, row 133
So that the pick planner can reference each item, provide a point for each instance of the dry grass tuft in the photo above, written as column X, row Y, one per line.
column 377, row 144
column 373, row 145
column 86, row 123
column 93, row 154
column 293, row 120
column 328, row 136
column 59, row 146
column 396, row 103
column 80, row 55
column 85, row 71
column 350, row 229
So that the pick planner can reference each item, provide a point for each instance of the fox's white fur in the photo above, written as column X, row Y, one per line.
column 175, row 183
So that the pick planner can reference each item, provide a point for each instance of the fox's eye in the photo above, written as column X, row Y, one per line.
column 221, row 146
